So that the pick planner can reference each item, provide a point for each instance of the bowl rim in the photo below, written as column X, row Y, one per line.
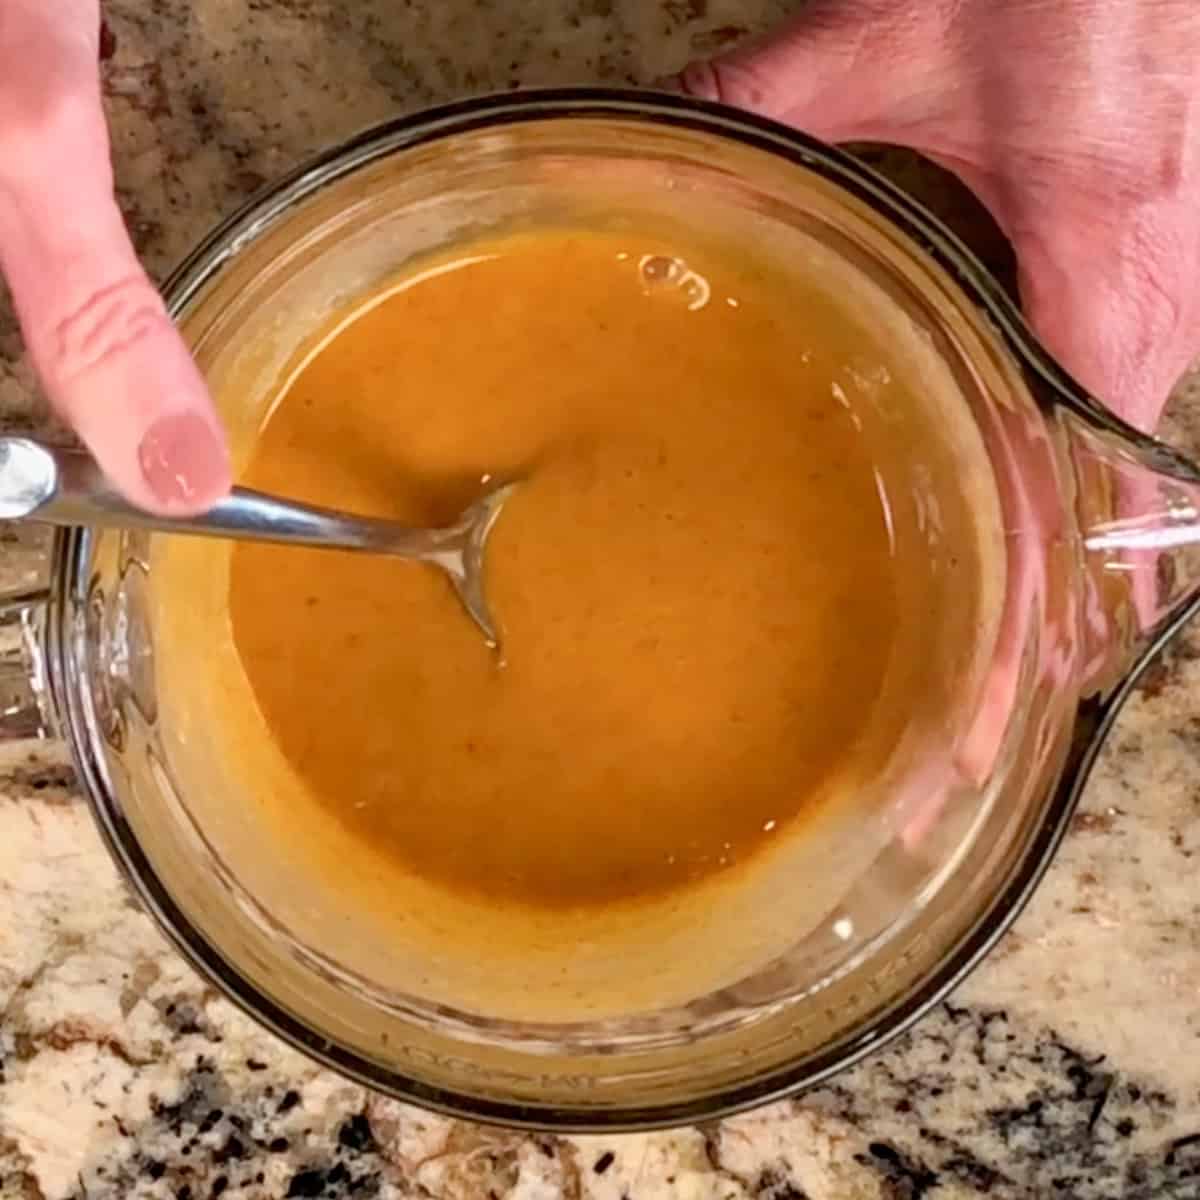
column 1094, row 718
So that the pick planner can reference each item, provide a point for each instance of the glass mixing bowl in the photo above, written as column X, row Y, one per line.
column 1093, row 519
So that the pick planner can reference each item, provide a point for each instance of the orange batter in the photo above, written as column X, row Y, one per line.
column 695, row 580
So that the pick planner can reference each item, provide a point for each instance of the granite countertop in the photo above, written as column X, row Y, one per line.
column 1069, row 1065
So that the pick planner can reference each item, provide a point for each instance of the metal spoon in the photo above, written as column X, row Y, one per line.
column 65, row 487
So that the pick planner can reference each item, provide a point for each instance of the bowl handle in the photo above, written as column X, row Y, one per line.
column 1137, row 504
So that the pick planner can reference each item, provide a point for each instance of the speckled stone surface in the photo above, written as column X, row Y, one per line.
column 1068, row 1066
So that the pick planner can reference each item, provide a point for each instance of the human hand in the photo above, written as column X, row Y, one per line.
column 1077, row 122
column 106, row 352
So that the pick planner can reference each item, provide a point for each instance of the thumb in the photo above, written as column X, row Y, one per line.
column 1114, row 302
column 107, row 354
column 1115, row 306
column 843, row 70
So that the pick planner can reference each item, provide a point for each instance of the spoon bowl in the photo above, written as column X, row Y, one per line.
column 461, row 555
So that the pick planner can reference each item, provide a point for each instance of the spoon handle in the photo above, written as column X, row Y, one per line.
column 61, row 486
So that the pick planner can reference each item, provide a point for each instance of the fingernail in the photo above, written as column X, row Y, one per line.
column 183, row 461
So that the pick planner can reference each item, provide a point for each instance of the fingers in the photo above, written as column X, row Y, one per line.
column 843, row 70
column 104, row 348
column 1107, row 266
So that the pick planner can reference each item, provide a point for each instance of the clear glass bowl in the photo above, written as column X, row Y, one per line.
column 908, row 917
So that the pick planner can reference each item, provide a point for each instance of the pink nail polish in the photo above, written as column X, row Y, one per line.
column 184, row 461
